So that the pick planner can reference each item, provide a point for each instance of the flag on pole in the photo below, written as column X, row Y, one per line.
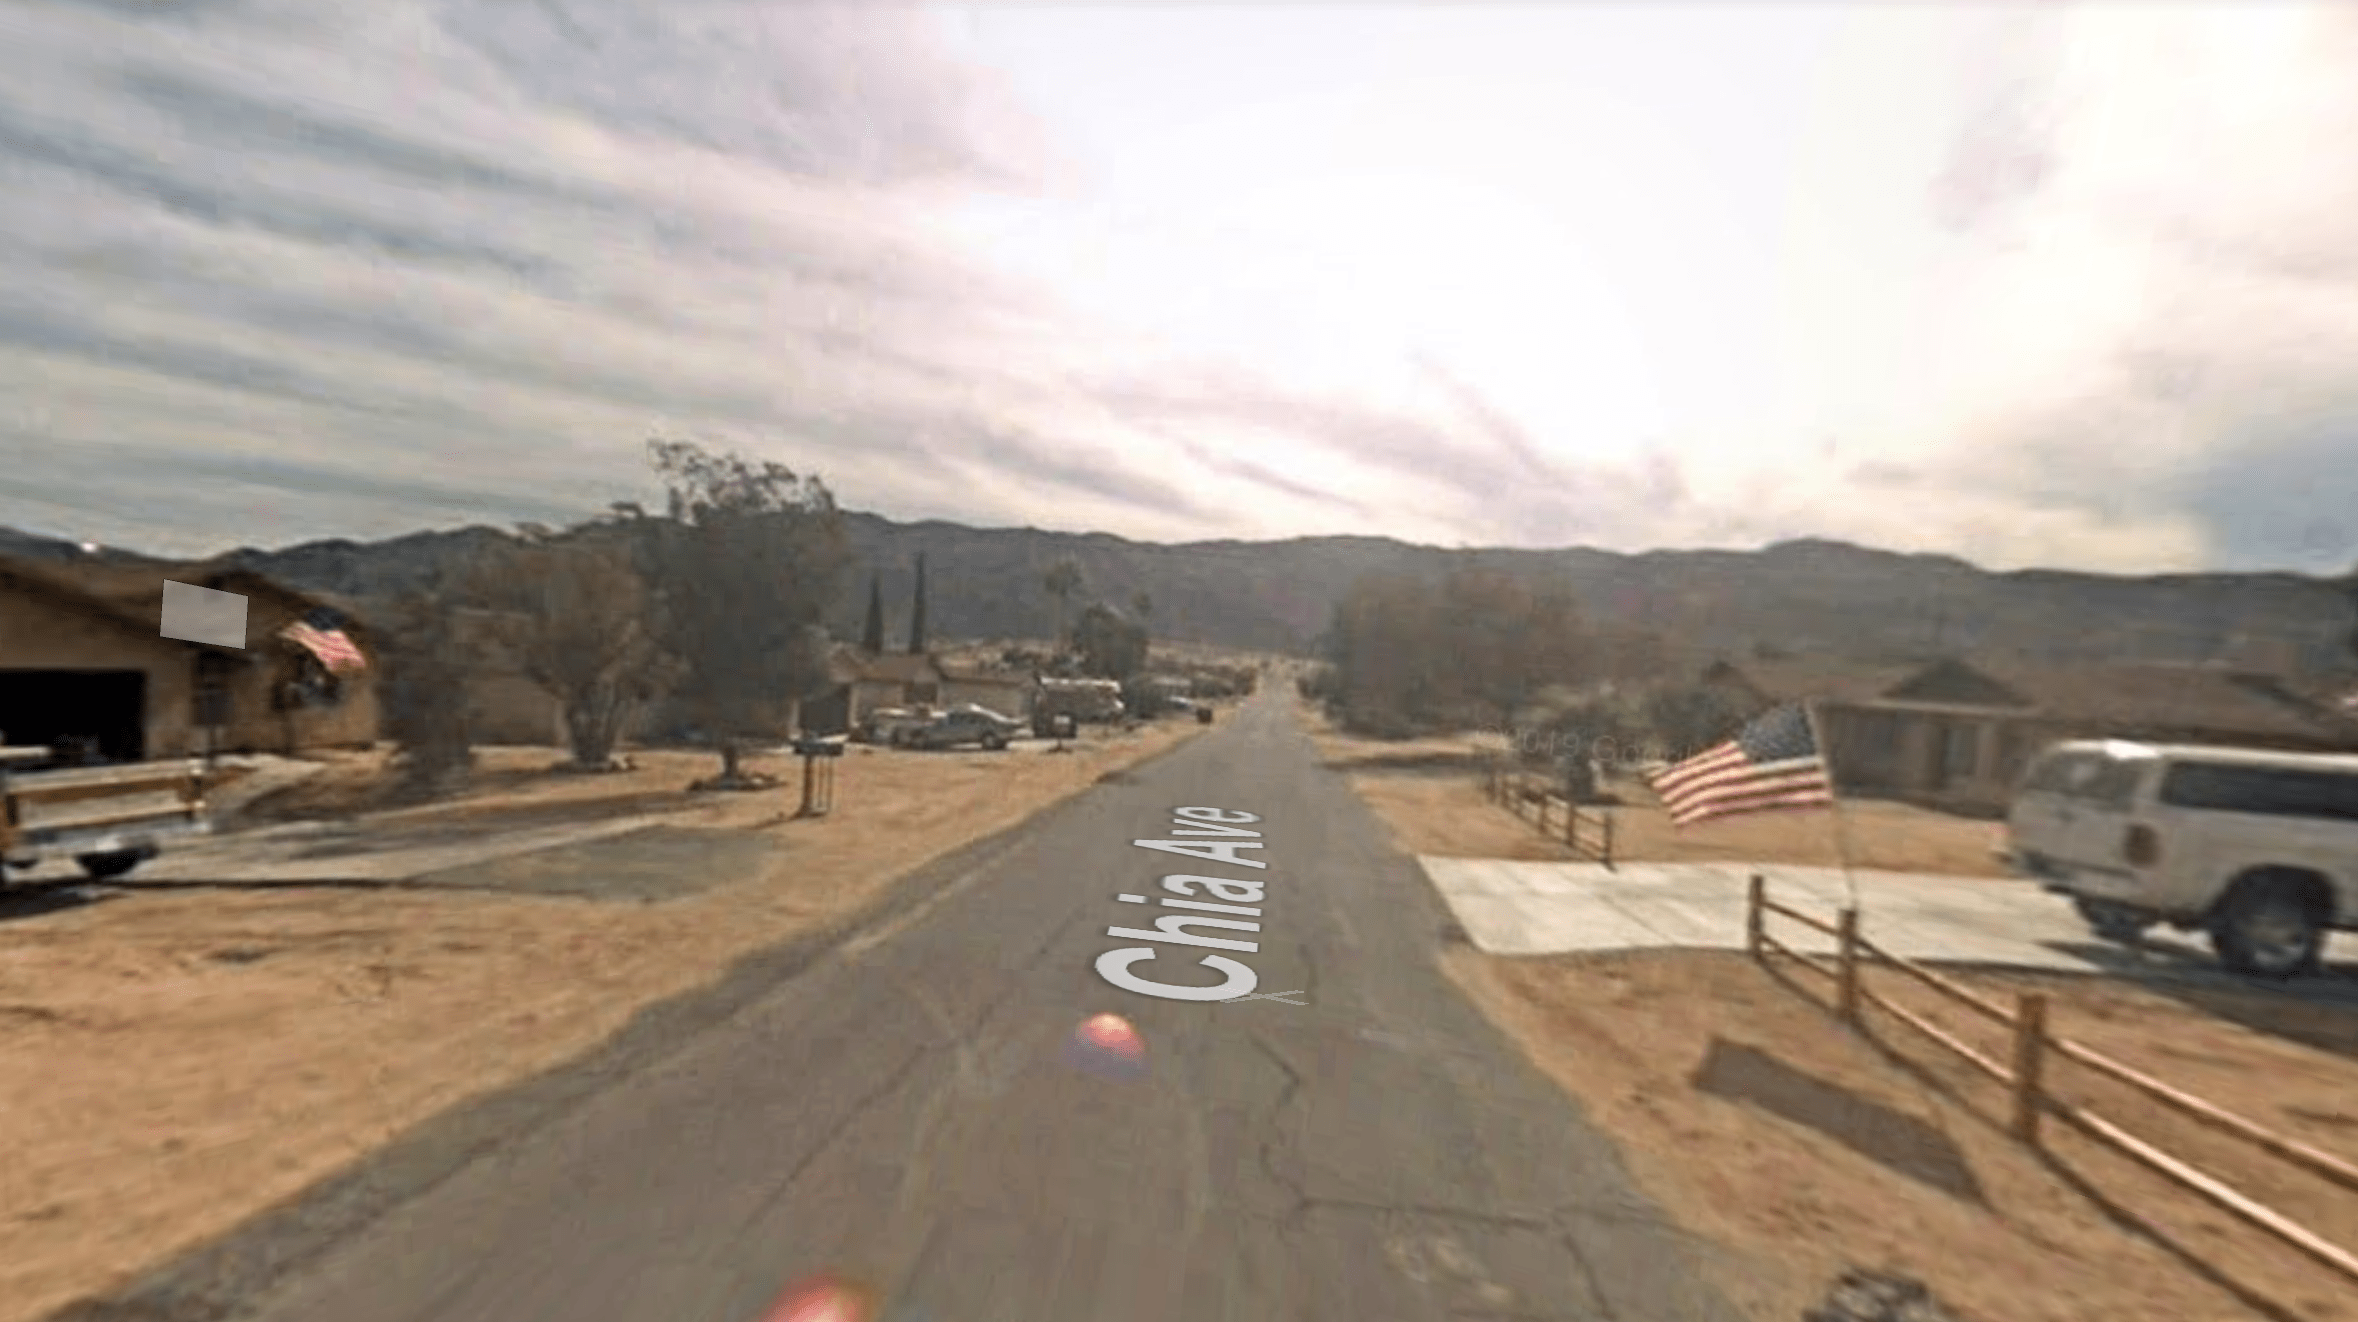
column 322, row 634
column 1774, row 762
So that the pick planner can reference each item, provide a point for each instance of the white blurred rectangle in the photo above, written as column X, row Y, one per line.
column 203, row 615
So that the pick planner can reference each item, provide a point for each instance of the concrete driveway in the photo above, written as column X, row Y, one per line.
column 1509, row 907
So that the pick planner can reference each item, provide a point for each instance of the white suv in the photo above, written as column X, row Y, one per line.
column 2259, row 849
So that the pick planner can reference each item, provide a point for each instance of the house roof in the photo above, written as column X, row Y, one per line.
column 886, row 667
column 1790, row 679
column 133, row 595
column 2171, row 697
column 974, row 674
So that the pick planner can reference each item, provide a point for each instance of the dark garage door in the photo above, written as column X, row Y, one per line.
column 57, row 706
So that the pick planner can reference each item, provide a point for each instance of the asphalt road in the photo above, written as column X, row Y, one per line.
column 903, row 1111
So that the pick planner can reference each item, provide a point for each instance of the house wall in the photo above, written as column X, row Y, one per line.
column 42, row 635
column 1007, row 697
column 509, row 709
column 353, row 720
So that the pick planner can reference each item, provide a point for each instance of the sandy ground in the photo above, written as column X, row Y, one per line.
column 175, row 1061
column 1798, row 1147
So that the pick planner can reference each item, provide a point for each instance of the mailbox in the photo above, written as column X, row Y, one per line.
column 818, row 748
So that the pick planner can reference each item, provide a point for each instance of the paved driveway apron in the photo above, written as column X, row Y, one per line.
column 904, row 1113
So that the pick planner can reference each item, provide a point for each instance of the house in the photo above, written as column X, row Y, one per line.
column 1956, row 733
column 861, row 682
column 1008, row 692
column 83, row 660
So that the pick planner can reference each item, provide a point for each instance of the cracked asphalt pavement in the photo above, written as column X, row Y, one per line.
column 901, row 1112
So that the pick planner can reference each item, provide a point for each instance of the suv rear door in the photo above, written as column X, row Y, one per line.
column 2233, row 817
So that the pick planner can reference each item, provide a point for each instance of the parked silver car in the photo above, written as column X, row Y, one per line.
column 964, row 724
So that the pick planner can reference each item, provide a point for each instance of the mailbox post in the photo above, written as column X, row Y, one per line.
column 818, row 774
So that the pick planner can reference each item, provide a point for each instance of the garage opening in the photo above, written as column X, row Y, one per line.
column 103, row 713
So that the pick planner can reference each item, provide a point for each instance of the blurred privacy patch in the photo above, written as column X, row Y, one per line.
column 202, row 615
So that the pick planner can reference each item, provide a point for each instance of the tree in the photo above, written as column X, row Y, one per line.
column 872, row 636
column 1062, row 580
column 1691, row 718
column 744, row 566
column 573, row 615
column 1142, row 606
column 917, row 639
column 1110, row 647
column 422, row 692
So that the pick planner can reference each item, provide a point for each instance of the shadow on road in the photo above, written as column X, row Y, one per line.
column 2319, row 1011
column 38, row 899
column 1897, row 1141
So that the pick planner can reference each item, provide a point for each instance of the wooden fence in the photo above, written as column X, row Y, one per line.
column 48, row 790
column 2024, row 1073
column 1589, row 831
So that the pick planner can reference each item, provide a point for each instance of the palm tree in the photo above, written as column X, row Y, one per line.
column 1062, row 580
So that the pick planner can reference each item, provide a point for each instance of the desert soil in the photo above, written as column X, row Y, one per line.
column 175, row 1061
column 1796, row 1147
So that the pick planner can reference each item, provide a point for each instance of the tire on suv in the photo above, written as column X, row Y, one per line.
column 2271, row 924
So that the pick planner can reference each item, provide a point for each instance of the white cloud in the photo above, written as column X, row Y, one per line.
column 2059, row 285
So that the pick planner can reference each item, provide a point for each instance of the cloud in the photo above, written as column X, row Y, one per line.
column 271, row 270
column 2165, row 283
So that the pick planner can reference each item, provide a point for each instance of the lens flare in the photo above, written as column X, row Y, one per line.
column 823, row 1298
column 1107, row 1045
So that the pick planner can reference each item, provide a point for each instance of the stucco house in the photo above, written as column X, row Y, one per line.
column 82, row 659
column 1957, row 732
column 863, row 681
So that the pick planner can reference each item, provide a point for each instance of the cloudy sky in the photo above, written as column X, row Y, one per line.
column 2072, row 285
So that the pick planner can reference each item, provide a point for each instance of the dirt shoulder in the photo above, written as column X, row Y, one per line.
column 177, row 1061
column 1798, row 1147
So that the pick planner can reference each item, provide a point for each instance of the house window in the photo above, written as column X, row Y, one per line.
column 1962, row 755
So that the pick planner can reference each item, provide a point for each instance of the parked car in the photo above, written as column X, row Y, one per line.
column 2259, row 849
column 884, row 725
column 1081, row 699
column 108, row 819
column 965, row 724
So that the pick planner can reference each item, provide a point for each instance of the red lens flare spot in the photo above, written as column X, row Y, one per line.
column 1108, row 1046
column 823, row 1299
column 1111, row 1032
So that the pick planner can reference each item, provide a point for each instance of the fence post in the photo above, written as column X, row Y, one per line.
column 1608, row 851
column 1572, row 825
column 2030, row 1052
column 1756, row 895
column 1846, row 966
column 1543, row 814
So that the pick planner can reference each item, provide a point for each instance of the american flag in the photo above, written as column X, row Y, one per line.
column 1771, row 763
column 322, row 634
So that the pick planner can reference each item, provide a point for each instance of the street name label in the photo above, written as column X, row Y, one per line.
column 1219, row 904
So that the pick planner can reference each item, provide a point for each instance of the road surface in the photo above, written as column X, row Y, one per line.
column 904, row 1113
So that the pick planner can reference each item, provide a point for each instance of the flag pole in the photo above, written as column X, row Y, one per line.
column 1817, row 735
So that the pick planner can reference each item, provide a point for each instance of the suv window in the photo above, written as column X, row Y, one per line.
column 2087, row 777
column 2275, row 791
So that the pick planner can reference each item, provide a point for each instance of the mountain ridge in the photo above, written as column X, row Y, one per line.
column 1796, row 595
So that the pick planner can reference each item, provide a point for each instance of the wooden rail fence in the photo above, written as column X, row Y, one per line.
column 2024, row 1074
column 48, row 790
column 1589, row 831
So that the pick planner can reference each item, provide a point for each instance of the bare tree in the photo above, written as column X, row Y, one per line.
column 745, row 566
column 574, row 616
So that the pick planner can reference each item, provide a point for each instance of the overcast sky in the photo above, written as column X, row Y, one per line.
column 2073, row 285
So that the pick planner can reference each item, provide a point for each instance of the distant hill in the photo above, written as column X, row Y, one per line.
column 1800, row 596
